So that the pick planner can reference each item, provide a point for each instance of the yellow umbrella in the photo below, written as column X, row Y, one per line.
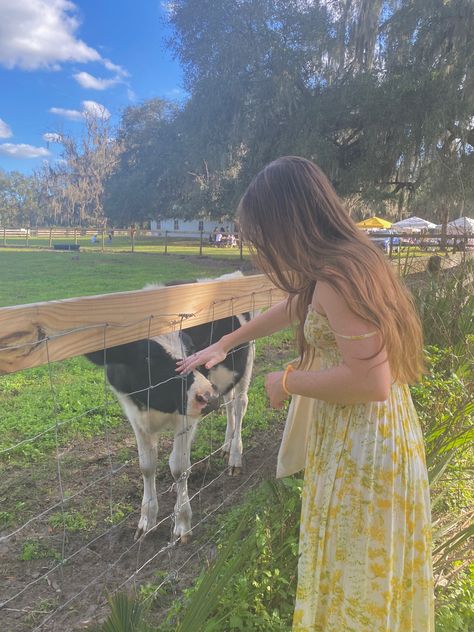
column 374, row 222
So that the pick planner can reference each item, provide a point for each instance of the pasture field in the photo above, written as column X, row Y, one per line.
column 28, row 276
column 154, row 245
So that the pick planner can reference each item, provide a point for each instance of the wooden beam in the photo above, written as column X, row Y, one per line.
column 32, row 335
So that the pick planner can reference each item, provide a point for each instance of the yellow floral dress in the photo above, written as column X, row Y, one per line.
column 365, row 540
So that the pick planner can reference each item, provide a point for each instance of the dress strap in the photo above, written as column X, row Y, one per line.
column 359, row 337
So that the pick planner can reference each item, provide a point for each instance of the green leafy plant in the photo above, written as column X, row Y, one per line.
column 72, row 521
column 37, row 550
column 119, row 511
column 126, row 615
column 455, row 608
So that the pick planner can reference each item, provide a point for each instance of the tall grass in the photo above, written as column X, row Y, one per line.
column 446, row 305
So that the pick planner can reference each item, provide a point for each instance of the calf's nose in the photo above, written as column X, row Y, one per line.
column 212, row 395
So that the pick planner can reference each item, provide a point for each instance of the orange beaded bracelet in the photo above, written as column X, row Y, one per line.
column 288, row 369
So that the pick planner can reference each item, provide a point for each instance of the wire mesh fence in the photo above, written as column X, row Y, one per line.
column 70, row 494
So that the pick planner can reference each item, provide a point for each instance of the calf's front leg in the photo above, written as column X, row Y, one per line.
column 180, row 463
column 147, row 444
column 236, row 402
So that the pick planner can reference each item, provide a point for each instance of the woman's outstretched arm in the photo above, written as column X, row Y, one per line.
column 266, row 323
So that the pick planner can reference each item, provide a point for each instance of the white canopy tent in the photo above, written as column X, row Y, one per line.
column 460, row 226
column 413, row 224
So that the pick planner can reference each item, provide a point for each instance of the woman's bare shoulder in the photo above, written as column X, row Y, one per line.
column 325, row 296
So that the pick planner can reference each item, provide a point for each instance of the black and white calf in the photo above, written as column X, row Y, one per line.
column 154, row 398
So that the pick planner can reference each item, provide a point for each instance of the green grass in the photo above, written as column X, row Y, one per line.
column 72, row 521
column 74, row 404
column 29, row 276
column 37, row 550
column 123, row 244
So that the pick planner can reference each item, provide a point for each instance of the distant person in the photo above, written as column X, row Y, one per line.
column 219, row 237
column 110, row 237
column 94, row 239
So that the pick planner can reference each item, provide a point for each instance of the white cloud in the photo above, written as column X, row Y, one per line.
column 43, row 34
column 86, row 80
column 89, row 108
column 92, row 108
column 72, row 115
column 22, row 151
column 52, row 137
column 5, row 130
column 115, row 68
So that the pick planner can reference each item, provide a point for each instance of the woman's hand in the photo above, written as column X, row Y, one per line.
column 274, row 388
column 208, row 357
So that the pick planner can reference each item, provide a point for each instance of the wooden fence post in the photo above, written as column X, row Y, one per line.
column 166, row 242
column 4, row 236
column 132, row 234
column 103, row 243
column 75, row 235
column 200, row 244
column 241, row 247
column 50, row 237
column 27, row 235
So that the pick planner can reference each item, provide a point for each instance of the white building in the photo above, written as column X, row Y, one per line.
column 190, row 227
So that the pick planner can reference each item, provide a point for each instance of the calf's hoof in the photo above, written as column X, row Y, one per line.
column 144, row 526
column 235, row 470
column 186, row 538
column 182, row 536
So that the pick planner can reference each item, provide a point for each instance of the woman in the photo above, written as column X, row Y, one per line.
column 365, row 539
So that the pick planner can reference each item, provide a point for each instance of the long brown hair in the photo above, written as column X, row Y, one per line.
column 300, row 233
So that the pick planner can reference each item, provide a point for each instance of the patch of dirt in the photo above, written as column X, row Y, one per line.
column 102, row 482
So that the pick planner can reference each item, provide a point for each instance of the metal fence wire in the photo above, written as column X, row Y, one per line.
column 69, row 545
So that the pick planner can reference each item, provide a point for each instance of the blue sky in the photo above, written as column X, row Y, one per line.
column 59, row 58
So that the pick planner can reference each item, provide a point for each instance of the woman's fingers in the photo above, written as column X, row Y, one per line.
column 206, row 357
column 188, row 364
column 193, row 361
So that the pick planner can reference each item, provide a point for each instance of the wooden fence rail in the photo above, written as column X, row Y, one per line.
column 32, row 335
